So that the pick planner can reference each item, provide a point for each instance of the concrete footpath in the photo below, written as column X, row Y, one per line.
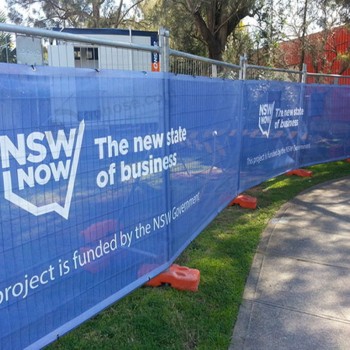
column 297, row 295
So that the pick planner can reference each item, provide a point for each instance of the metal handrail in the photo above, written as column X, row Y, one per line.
column 282, row 70
column 328, row 75
column 203, row 59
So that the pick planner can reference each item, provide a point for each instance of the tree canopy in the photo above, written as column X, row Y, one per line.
column 207, row 22
column 344, row 9
column 7, row 52
column 72, row 13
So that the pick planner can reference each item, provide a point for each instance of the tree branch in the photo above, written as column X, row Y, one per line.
column 129, row 9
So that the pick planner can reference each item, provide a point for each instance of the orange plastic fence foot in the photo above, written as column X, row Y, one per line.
column 245, row 201
column 300, row 172
column 178, row 277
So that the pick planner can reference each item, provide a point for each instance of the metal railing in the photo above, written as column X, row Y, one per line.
column 56, row 48
column 179, row 62
column 254, row 72
column 320, row 78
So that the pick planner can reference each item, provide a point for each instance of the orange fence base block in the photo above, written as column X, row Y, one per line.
column 300, row 172
column 178, row 277
column 245, row 201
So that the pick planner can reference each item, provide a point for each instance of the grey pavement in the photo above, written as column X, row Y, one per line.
column 297, row 295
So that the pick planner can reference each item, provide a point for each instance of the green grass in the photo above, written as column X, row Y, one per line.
column 164, row 318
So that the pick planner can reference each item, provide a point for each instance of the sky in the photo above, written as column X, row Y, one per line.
column 2, row 4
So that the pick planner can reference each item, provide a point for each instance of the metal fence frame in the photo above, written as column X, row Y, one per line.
column 166, row 53
column 212, row 68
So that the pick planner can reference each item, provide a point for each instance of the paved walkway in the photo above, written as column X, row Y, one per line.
column 298, row 292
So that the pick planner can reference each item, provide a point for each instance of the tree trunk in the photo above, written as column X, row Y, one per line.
column 215, row 51
column 212, row 40
column 303, row 37
column 96, row 13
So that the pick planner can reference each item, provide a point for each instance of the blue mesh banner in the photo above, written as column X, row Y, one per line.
column 327, row 124
column 206, row 176
column 273, row 114
column 107, row 176
column 85, row 167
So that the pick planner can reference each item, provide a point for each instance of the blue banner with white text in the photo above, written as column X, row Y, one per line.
column 107, row 176
column 272, row 123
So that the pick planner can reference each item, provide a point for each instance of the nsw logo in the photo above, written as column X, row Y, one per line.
column 265, row 117
column 39, row 169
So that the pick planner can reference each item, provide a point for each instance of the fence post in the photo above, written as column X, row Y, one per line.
column 243, row 69
column 164, row 47
column 214, row 71
column 304, row 73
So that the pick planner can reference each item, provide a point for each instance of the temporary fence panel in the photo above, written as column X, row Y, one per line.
column 84, row 170
column 290, row 125
column 106, row 176
column 272, row 114
column 327, row 124
column 206, row 176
